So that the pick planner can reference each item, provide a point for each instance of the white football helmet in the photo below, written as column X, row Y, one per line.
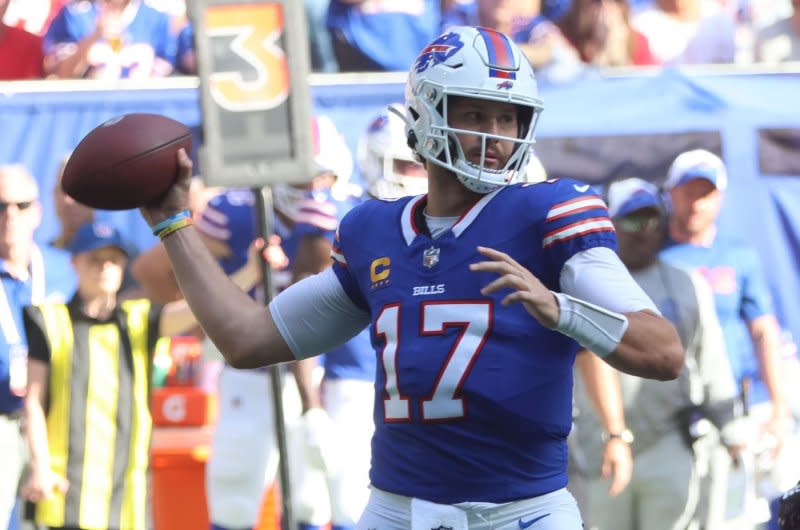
column 475, row 63
column 331, row 155
column 384, row 155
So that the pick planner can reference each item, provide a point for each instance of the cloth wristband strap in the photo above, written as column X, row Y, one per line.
column 173, row 223
column 595, row 328
column 174, row 227
column 169, row 220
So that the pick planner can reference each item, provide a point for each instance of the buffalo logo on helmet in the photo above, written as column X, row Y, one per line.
column 438, row 51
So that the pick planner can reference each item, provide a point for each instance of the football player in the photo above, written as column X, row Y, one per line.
column 477, row 294
column 330, row 478
column 387, row 164
column 306, row 216
column 789, row 509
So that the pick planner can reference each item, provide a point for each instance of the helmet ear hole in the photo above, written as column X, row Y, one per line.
column 524, row 119
column 411, row 139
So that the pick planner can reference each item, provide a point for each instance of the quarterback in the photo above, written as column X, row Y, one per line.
column 477, row 295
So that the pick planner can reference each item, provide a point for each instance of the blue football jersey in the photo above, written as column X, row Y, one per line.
column 473, row 399
column 741, row 294
column 230, row 217
column 320, row 214
column 414, row 24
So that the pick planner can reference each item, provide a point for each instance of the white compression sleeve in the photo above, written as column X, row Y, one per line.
column 315, row 315
column 598, row 276
column 597, row 290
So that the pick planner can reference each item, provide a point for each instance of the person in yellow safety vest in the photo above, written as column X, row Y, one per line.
column 88, row 385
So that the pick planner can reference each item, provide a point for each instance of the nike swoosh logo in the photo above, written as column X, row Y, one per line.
column 525, row 524
column 580, row 188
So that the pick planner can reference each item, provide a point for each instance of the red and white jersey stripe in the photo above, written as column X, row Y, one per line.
column 576, row 229
column 575, row 217
column 574, row 206
column 317, row 213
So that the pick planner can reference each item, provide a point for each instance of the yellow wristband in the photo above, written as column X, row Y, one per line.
column 174, row 226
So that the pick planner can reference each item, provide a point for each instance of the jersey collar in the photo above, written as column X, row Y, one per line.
column 410, row 225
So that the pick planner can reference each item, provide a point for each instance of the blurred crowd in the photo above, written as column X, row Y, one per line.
column 111, row 39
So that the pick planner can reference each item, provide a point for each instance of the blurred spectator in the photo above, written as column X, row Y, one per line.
column 687, row 32
column 71, row 213
column 547, row 50
column 151, row 268
column 176, row 9
column 109, row 39
column 22, row 281
column 87, row 407
column 696, row 182
column 20, row 51
column 458, row 13
column 381, row 35
column 461, row 12
column 661, row 414
column 780, row 41
column 186, row 54
column 71, row 216
column 601, row 33
column 601, row 384
column 319, row 38
column 551, row 55
column 34, row 16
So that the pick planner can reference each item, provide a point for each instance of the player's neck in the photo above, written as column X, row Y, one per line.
column 447, row 197
column 99, row 306
column 703, row 238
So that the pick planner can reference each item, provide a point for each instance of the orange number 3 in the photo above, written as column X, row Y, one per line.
column 255, row 30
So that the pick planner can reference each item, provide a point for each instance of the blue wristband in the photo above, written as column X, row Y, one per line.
column 157, row 229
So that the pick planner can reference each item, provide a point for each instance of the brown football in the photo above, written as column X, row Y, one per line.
column 126, row 162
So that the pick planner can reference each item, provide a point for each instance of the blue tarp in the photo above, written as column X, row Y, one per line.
column 38, row 128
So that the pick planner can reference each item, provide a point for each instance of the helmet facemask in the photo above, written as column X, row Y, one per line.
column 440, row 144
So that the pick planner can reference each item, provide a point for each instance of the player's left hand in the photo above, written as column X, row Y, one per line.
column 617, row 465
column 318, row 433
column 527, row 289
column 776, row 430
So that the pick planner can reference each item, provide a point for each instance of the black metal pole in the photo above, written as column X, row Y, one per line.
column 265, row 225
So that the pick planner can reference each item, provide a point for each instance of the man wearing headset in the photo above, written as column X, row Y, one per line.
column 666, row 469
